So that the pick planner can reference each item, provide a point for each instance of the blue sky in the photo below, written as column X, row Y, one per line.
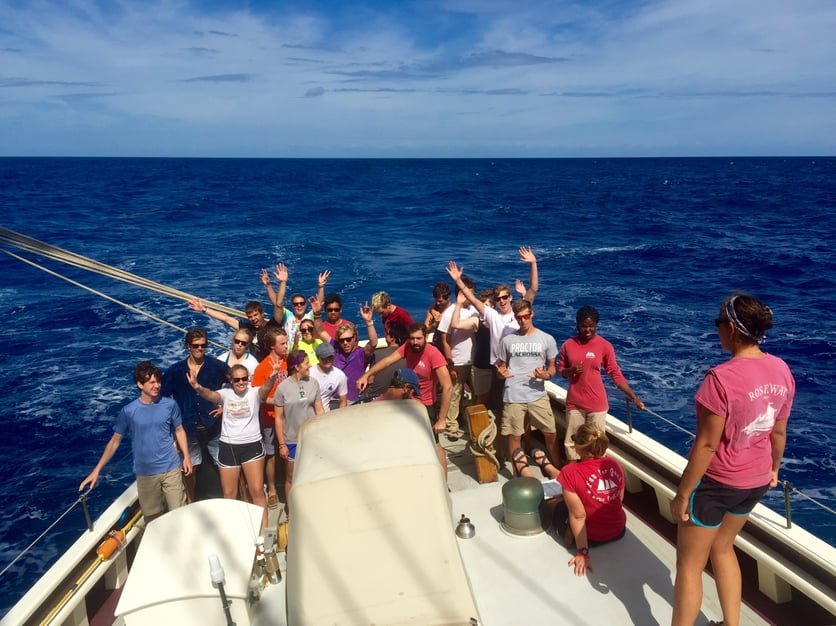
column 460, row 78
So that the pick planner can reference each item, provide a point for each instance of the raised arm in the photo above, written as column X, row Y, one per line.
column 456, row 274
column 527, row 256
column 456, row 321
column 196, row 304
column 368, row 316
column 265, row 388
column 321, row 281
column 319, row 329
column 431, row 319
column 278, row 301
column 207, row 394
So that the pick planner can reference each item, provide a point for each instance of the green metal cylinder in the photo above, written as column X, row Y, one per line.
column 521, row 501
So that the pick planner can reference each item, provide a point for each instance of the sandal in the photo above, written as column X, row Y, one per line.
column 520, row 461
column 541, row 460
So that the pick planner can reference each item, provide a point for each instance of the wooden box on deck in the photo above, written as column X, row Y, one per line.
column 479, row 420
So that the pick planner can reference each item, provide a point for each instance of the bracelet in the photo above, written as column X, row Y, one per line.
column 317, row 315
column 282, row 445
column 369, row 323
column 584, row 552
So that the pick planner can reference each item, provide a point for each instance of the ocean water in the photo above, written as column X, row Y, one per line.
column 654, row 244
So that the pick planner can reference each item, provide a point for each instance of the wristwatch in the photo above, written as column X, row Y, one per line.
column 584, row 552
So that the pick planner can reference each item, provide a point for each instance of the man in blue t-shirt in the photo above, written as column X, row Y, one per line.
column 154, row 423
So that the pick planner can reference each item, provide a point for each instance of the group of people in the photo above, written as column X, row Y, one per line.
column 247, row 405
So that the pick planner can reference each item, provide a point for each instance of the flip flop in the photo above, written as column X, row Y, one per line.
column 541, row 459
column 519, row 458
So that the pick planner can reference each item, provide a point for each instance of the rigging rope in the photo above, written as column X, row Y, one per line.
column 29, row 244
column 105, row 296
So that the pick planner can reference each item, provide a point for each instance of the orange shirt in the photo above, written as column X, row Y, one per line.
column 261, row 374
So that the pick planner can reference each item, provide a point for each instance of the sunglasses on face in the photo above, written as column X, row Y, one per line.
column 523, row 317
column 346, row 339
column 333, row 310
column 198, row 346
column 507, row 296
column 240, row 342
column 240, row 379
column 302, row 303
column 306, row 329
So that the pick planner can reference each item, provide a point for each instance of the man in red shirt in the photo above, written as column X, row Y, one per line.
column 388, row 312
column 431, row 367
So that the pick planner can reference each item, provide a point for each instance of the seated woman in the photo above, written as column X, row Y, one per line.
column 242, row 339
column 591, row 512
column 240, row 446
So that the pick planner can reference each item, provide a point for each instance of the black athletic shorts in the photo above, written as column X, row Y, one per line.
column 711, row 500
column 236, row 454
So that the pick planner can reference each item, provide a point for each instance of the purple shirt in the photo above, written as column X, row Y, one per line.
column 353, row 365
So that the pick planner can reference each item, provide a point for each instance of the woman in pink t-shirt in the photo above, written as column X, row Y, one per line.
column 742, row 410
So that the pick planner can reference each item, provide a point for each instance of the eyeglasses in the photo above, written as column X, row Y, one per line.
column 523, row 317
column 198, row 346
column 240, row 379
column 302, row 303
column 507, row 296
column 346, row 339
column 240, row 342
column 306, row 329
column 333, row 309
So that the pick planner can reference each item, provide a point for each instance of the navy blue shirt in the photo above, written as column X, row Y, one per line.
column 194, row 410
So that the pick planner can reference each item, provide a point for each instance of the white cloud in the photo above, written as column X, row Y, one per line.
column 507, row 78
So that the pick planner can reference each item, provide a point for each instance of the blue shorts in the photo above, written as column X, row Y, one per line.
column 237, row 454
column 291, row 451
column 711, row 500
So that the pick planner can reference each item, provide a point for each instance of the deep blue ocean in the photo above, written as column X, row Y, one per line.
column 654, row 244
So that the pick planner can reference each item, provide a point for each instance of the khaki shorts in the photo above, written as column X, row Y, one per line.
column 574, row 419
column 161, row 492
column 539, row 413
